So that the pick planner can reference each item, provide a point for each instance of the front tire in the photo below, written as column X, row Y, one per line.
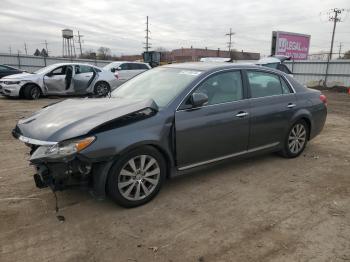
column 136, row 177
column 32, row 92
column 296, row 139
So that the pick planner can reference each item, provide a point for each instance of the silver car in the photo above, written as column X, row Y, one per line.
column 124, row 70
column 60, row 79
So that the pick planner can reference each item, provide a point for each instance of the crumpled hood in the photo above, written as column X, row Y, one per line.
column 21, row 76
column 76, row 117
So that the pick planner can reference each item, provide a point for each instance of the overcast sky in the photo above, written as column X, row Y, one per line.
column 120, row 25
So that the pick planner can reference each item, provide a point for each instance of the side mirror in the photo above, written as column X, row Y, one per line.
column 49, row 74
column 199, row 99
column 112, row 70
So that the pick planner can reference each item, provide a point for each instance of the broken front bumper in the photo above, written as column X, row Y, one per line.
column 60, row 176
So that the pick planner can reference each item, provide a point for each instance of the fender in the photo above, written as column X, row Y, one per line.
column 302, row 113
column 101, row 169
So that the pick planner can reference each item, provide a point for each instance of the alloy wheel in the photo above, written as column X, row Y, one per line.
column 297, row 138
column 35, row 93
column 139, row 177
column 102, row 89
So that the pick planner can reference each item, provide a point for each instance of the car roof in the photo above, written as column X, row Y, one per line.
column 212, row 66
column 132, row 62
column 63, row 64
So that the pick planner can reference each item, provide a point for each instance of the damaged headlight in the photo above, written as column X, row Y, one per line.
column 63, row 149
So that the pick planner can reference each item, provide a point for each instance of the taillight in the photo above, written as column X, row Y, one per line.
column 323, row 98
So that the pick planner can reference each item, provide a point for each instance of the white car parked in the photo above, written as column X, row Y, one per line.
column 124, row 70
column 60, row 79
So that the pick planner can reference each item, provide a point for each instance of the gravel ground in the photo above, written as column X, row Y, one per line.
column 264, row 208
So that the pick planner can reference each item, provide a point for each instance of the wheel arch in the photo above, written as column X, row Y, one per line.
column 21, row 91
column 305, row 116
column 101, row 81
column 102, row 170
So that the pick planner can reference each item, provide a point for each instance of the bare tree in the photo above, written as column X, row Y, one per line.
column 346, row 55
column 104, row 53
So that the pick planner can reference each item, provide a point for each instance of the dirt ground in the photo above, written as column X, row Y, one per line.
column 261, row 209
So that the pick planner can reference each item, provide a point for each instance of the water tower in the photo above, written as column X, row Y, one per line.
column 68, row 48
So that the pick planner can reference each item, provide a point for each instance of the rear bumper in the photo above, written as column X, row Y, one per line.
column 319, row 121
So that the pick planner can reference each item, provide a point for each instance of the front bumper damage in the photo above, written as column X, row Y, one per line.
column 57, row 174
column 62, row 175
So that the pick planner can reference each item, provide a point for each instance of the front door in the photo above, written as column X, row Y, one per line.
column 59, row 80
column 83, row 78
column 272, row 106
column 216, row 130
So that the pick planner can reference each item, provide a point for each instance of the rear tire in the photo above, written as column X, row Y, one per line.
column 296, row 139
column 102, row 89
column 32, row 92
column 136, row 177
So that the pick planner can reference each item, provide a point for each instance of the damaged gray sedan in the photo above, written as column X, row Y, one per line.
column 167, row 121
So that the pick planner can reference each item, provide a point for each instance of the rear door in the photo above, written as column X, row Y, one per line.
column 273, row 104
column 138, row 68
column 124, row 72
column 216, row 130
column 83, row 77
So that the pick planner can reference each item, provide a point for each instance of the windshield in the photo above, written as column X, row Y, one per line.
column 45, row 69
column 111, row 65
column 161, row 84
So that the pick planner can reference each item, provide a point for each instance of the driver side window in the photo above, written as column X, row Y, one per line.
column 59, row 71
column 222, row 88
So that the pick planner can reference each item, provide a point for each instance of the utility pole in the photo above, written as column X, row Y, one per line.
column 10, row 50
column 47, row 49
column 25, row 48
column 229, row 44
column 335, row 18
column 79, row 41
column 340, row 46
column 147, row 44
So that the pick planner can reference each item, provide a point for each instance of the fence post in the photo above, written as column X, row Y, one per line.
column 45, row 61
column 19, row 60
column 293, row 65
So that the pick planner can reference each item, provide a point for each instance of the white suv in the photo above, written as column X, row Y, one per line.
column 124, row 70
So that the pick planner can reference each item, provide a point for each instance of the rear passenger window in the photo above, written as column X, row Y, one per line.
column 80, row 69
column 264, row 84
column 142, row 67
column 285, row 87
column 223, row 87
column 124, row 66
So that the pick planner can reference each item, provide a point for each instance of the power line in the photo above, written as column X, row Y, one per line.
column 147, row 44
column 229, row 44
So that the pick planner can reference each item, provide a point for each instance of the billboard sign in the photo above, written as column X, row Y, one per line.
column 290, row 44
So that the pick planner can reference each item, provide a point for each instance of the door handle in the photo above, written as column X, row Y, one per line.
column 241, row 114
column 291, row 105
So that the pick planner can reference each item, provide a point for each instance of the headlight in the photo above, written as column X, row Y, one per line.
column 11, row 82
column 63, row 149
